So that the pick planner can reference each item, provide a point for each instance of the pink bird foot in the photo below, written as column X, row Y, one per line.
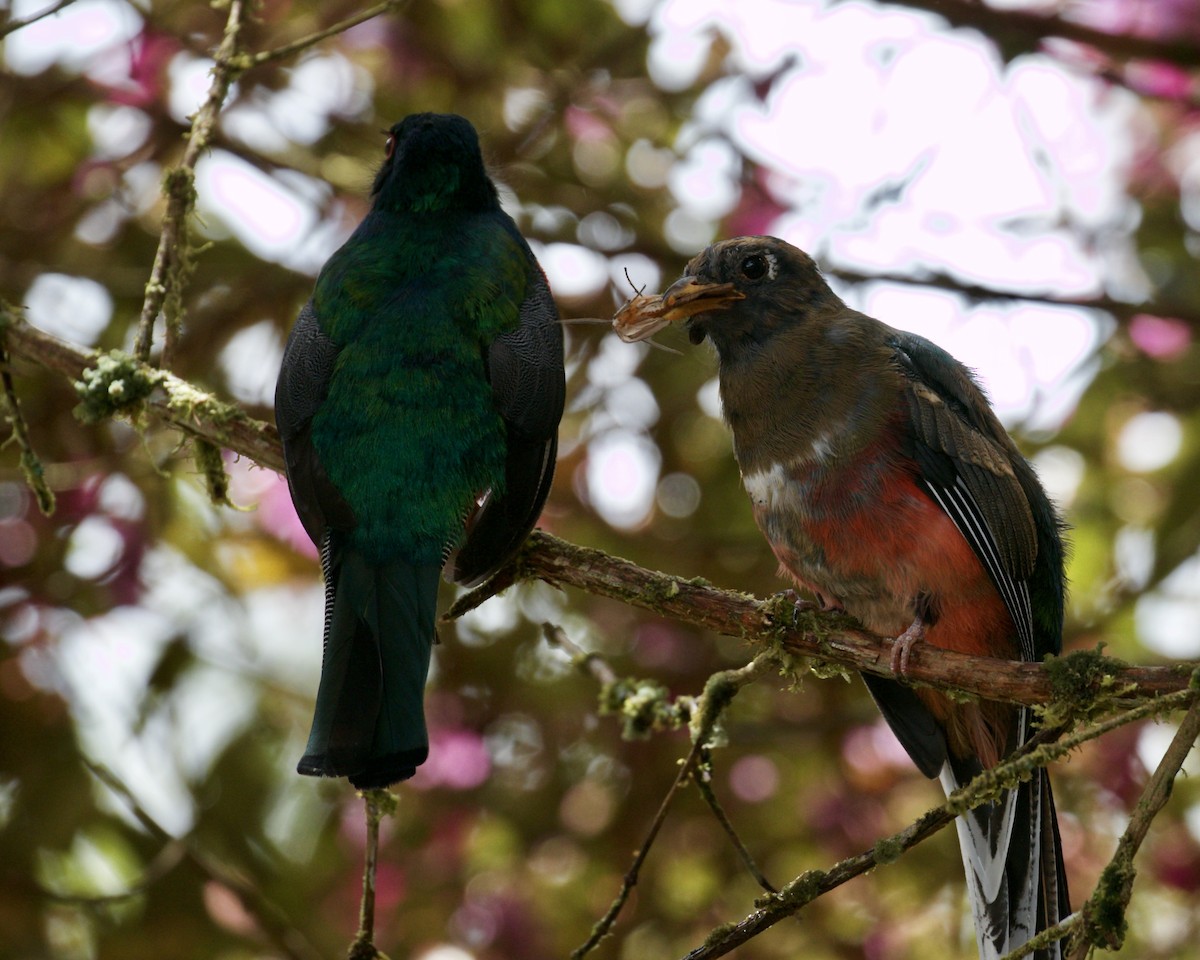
column 903, row 645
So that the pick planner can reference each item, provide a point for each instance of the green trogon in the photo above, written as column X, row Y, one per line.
column 418, row 402
column 887, row 488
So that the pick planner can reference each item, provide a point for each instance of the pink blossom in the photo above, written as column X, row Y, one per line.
column 1160, row 337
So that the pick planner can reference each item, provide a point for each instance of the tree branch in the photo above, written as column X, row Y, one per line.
column 814, row 883
column 12, row 26
column 801, row 629
column 172, row 261
column 978, row 293
column 298, row 46
column 1024, row 31
column 829, row 638
column 196, row 413
column 1103, row 916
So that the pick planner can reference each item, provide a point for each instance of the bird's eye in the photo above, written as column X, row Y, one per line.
column 754, row 267
column 389, row 148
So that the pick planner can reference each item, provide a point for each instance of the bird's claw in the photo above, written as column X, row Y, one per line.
column 903, row 646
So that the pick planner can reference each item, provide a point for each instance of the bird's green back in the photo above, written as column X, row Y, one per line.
column 408, row 432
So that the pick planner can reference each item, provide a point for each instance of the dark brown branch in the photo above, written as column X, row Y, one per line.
column 12, row 26
column 1120, row 309
column 1022, row 30
column 801, row 629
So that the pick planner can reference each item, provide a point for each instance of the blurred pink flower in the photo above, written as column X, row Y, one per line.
column 757, row 208
column 1158, row 79
column 1160, row 337
column 277, row 516
column 149, row 54
column 754, row 778
column 584, row 124
column 1160, row 19
column 458, row 760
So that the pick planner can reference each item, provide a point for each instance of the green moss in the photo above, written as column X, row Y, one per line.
column 1083, row 685
column 719, row 933
column 804, row 889
column 1108, row 903
column 212, row 468
column 643, row 706
column 35, row 477
column 116, row 385
column 888, row 850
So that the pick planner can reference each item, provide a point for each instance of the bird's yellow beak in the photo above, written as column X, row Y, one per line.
column 688, row 296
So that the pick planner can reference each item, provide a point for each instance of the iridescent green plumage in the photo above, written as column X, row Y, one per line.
column 418, row 403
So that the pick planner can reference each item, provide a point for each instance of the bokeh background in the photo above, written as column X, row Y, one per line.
column 1019, row 182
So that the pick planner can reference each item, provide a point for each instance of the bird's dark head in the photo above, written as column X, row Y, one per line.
column 432, row 163
column 742, row 291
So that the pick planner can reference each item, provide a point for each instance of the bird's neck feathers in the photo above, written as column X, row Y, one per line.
column 820, row 390
column 430, row 186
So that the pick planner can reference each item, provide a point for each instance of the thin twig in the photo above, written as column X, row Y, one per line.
column 1028, row 29
column 298, row 46
column 747, row 858
column 592, row 664
column 718, row 692
column 1103, row 916
column 977, row 293
column 31, row 464
column 14, row 25
column 377, row 804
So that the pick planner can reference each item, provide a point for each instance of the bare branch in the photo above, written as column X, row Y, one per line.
column 1026, row 31
column 377, row 804
column 1120, row 309
column 298, row 46
column 14, row 25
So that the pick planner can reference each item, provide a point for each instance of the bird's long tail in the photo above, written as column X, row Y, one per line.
column 1012, row 855
column 369, row 723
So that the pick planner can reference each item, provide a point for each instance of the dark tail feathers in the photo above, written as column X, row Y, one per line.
column 369, row 723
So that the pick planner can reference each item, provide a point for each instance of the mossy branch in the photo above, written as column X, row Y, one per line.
column 1082, row 682
column 116, row 384
column 173, row 259
column 805, row 888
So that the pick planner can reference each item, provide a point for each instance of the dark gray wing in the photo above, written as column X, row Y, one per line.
column 969, row 467
column 303, row 383
column 525, row 367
